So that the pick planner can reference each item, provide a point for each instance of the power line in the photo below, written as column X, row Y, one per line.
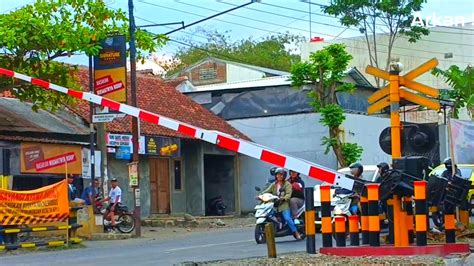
column 280, row 25
column 333, row 17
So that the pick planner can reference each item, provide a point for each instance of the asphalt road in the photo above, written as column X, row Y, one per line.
column 206, row 246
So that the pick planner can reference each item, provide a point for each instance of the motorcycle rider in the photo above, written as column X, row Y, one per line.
column 285, row 195
column 383, row 171
column 297, row 196
column 356, row 170
column 448, row 173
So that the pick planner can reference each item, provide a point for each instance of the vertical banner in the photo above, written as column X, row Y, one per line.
column 462, row 138
column 110, row 69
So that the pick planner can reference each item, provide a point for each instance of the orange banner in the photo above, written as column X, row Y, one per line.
column 50, row 158
column 43, row 205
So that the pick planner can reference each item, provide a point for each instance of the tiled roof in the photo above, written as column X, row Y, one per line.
column 157, row 96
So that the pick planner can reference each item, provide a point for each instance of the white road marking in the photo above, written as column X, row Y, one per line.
column 208, row 245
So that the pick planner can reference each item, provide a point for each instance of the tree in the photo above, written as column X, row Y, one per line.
column 462, row 84
column 276, row 51
column 324, row 73
column 395, row 18
column 35, row 36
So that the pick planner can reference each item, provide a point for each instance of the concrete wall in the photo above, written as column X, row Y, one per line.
column 300, row 135
column 411, row 55
column 238, row 73
column 119, row 169
column 194, row 178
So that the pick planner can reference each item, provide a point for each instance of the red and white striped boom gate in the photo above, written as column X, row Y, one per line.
column 220, row 139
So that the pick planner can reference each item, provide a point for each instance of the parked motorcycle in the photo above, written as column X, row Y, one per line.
column 266, row 212
column 216, row 206
column 124, row 219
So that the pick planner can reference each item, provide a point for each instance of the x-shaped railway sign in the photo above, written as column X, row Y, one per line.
column 381, row 98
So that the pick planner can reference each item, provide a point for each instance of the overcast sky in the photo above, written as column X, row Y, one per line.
column 257, row 20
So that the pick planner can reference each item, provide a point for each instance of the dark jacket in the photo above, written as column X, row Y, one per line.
column 448, row 173
column 297, row 193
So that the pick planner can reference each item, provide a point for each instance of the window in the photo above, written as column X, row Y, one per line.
column 207, row 73
column 178, row 179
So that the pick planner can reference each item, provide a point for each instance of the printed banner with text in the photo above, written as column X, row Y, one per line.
column 50, row 158
column 462, row 135
column 110, row 69
column 43, row 205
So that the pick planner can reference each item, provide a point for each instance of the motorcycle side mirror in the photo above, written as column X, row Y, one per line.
column 257, row 189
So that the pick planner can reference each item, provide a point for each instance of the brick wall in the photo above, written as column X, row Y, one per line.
column 209, row 72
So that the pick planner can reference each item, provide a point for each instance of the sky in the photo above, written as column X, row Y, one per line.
column 258, row 20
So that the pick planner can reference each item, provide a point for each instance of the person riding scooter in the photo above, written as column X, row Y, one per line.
column 283, row 190
column 448, row 173
column 383, row 172
column 297, row 197
column 356, row 170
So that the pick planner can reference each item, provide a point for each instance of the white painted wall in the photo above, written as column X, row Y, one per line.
column 300, row 135
column 457, row 41
column 238, row 73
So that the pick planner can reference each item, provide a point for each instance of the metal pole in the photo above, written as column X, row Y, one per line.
column 395, row 114
column 135, row 129
column 91, row 127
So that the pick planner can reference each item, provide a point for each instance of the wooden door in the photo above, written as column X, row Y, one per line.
column 159, row 185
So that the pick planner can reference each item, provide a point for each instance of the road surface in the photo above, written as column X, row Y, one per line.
column 203, row 246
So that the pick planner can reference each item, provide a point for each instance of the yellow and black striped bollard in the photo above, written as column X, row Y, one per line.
column 421, row 209
column 364, row 220
column 373, row 209
column 340, row 230
column 326, row 226
column 449, row 223
column 354, row 230
column 309, row 222
column 409, row 219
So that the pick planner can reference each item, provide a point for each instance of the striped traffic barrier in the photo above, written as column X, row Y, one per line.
column 326, row 223
column 39, row 229
column 364, row 220
column 220, row 139
column 373, row 210
column 450, row 224
column 40, row 244
column 354, row 230
column 310, row 219
column 408, row 205
column 340, row 230
column 421, row 209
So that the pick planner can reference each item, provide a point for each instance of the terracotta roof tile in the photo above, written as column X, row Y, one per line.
column 159, row 97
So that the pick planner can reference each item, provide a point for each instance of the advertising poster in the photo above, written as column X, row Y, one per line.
column 38, row 158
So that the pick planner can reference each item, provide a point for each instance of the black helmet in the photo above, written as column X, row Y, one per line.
column 358, row 166
column 384, row 167
column 281, row 171
column 448, row 163
column 272, row 170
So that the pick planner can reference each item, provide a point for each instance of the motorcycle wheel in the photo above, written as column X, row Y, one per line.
column 260, row 234
column 438, row 218
column 126, row 223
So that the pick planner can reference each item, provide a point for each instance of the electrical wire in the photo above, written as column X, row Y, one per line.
column 270, row 23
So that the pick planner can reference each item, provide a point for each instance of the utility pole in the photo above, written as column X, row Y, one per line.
column 135, row 129
column 91, row 127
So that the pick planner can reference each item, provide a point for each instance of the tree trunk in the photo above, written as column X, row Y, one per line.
column 334, row 133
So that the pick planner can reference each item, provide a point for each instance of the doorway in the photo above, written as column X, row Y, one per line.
column 160, row 185
column 219, row 179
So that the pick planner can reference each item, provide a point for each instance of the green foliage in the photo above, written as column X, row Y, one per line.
column 36, row 35
column 332, row 115
column 462, row 84
column 324, row 72
column 372, row 17
column 274, row 52
column 351, row 152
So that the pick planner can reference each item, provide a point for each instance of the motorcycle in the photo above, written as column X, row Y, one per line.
column 216, row 206
column 124, row 219
column 266, row 212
